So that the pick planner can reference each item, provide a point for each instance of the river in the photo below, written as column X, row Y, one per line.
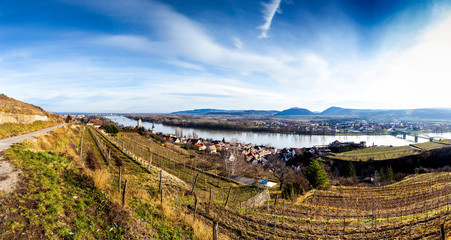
column 278, row 140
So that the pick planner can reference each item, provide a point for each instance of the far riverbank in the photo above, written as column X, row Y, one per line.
column 278, row 140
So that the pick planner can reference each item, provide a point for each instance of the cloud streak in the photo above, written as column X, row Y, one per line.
column 174, row 62
column 269, row 11
column 183, row 38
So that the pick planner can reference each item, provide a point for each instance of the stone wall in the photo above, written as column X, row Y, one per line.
column 20, row 118
column 259, row 199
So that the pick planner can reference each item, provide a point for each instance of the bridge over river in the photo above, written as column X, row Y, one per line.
column 416, row 136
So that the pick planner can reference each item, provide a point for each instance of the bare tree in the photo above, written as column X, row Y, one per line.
column 233, row 161
column 179, row 132
column 278, row 169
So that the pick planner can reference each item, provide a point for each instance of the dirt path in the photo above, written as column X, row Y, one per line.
column 9, row 176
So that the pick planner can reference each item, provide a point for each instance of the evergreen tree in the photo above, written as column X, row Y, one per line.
column 389, row 174
column 112, row 129
column 316, row 174
column 382, row 175
column 350, row 170
column 68, row 118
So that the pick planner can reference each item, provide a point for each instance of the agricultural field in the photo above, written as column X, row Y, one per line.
column 376, row 153
column 445, row 141
column 431, row 145
column 129, row 186
column 415, row 208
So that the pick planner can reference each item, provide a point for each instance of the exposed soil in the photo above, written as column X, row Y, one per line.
column 9, row 176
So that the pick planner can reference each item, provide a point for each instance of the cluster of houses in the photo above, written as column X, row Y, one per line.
column 257, row 154
column 97, row 123
column 351, row 126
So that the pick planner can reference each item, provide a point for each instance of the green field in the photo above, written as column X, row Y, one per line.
column 376, row 153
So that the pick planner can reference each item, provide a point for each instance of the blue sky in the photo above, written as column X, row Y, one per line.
column 163, row 56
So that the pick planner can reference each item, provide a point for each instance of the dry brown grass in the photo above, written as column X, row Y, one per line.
column 60, row 140
column 140, row 193
column 101, row 178
column 200, row 229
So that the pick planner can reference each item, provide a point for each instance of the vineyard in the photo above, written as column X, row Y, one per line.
column 432, row 145
column 415, row 208
column 376, row 153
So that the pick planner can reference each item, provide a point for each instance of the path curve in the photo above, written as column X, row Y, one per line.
column 8, row 142
column 9, row 176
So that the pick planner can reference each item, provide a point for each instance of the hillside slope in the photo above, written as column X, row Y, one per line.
column 17, row 117
column 295, row 111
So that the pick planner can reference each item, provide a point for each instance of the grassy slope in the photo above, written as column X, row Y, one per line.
column 55, row 198
column 60, row 197
column 12, row 106
column 142, row 196
column 13, row 129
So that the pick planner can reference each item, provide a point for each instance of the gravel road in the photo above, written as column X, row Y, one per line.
column 8, row 142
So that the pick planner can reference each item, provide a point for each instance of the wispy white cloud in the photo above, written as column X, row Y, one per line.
column 269, row 11
column 181, row 37
column 129, row 72
column 237, row 43
column 187, row 65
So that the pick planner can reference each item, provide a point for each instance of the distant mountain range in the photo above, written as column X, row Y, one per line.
column 420, row 113
column 295, row 112
column 228, row 112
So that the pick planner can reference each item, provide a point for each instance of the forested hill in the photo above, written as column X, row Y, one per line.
column 419, row 113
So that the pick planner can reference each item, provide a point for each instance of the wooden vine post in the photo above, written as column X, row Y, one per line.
column 209, row 201
column 275, row 221
column 266, row 225
column 228, row 195
column 124, row 192
column 215, row 230
column 194, row 184
column 159, row 185
column 150, row 160
column 283, row 212
column 195, row 206
column 119, row 182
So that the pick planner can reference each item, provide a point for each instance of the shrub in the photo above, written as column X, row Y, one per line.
column 92, row 161
column 399, row 176
column 292, row 190
column 112, row 129
column 100, row 177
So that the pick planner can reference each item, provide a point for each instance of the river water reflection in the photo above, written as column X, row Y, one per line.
column 279, row 140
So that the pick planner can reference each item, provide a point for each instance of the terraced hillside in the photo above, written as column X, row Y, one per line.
column 415, row 208
column 17, row 117
column 131, row 187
